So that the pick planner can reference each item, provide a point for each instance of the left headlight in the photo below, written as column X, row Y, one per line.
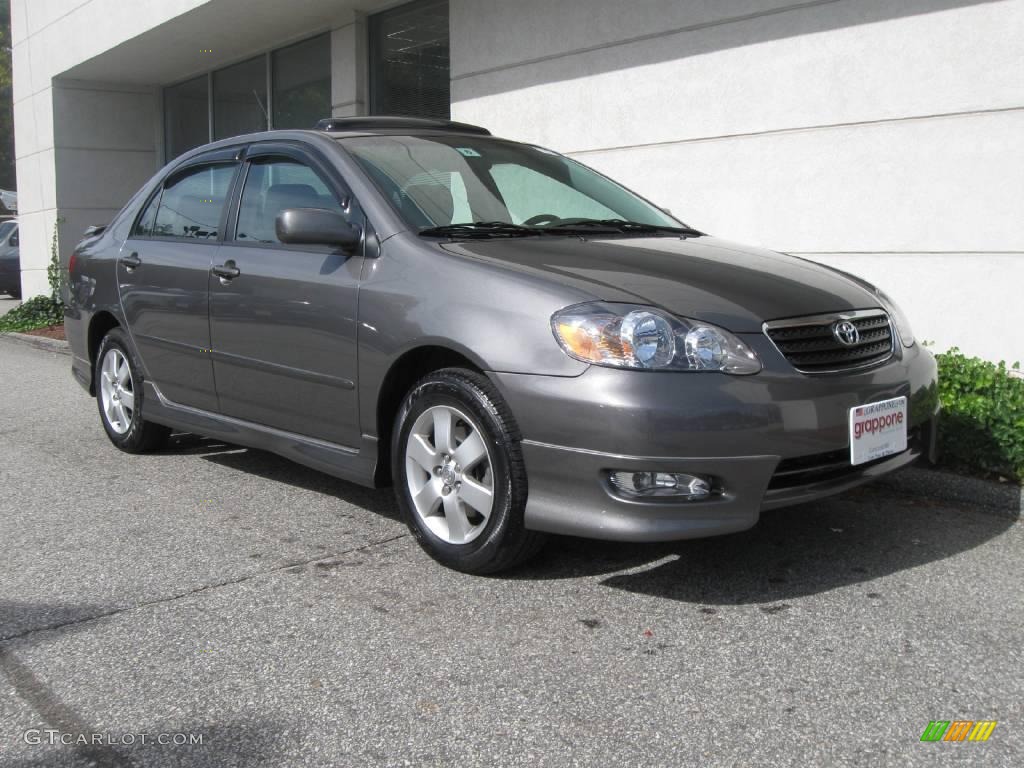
column 898, row 318
column 644, row 338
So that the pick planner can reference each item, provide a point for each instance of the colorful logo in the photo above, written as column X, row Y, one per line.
column 959, row 730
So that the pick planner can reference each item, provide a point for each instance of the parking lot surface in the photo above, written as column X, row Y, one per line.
column 287, row 619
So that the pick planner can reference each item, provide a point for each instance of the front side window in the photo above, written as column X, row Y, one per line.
column 191, row 204
column 444, row 180
column 272, row 186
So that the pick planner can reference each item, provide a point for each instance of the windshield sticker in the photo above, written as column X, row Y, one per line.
column 467, row 152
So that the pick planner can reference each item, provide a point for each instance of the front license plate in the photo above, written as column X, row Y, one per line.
column 877, row 430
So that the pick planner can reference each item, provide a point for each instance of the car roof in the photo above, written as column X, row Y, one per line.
column 336, row 128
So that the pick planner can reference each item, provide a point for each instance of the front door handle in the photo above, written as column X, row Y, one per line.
column 226, row 271
column 131, row 262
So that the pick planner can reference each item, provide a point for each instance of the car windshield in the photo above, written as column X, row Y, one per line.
column 462, row 184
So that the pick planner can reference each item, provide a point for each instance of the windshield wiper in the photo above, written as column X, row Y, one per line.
column 616, row 226
column 481, row 229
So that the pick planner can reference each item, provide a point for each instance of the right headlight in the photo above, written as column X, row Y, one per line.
column 644, row 338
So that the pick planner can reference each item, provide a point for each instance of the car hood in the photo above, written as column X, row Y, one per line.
column 735, row 286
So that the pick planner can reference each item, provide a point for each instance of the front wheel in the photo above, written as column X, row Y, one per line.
column 119, row 393
column 459, row 473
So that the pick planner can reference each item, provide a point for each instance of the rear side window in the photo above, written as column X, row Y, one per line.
column 272, row 186
column 190, row 205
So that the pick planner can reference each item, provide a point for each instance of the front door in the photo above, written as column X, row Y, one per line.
column 283, row 317
column 163, row 274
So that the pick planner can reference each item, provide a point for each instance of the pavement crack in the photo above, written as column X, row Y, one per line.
column 199, row 589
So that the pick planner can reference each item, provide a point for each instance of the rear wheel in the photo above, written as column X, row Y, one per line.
column 459, row 473
column 119, row 395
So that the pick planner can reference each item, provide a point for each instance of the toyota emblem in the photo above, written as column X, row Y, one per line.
column 846, row 333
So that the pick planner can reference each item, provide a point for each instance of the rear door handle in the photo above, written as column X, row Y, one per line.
column 226, row 271
column 132, row 262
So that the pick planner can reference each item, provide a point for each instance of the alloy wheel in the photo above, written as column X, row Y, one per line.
column 117, row 391
column 449, row 473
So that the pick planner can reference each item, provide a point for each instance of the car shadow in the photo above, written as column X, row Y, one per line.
column 791, row 553
column 854, row 538
column 273, row 467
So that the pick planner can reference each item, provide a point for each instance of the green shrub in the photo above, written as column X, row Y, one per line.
column 37, row 312
column 982, row 423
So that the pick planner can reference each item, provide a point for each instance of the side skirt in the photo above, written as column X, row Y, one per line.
column 354, row 464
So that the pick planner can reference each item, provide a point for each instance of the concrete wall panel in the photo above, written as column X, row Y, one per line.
column 750, row 77
column 942, row 185
column 98, row 116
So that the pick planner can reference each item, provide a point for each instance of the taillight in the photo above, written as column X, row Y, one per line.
column 72, row 263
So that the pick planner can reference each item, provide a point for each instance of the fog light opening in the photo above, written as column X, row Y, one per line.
column 675, row 485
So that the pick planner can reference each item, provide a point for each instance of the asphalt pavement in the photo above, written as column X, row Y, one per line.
column 284, row 618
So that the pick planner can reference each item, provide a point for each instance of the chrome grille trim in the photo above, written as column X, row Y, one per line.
column 810, row 346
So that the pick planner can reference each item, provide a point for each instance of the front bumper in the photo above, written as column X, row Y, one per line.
column 768, row 440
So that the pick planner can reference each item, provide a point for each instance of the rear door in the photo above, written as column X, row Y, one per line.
column 283, row 317
column 163, row 275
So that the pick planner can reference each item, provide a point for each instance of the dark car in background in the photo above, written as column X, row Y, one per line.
column 517, row 343
column 10, row 259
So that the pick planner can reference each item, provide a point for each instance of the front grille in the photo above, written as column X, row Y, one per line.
column 811, row 346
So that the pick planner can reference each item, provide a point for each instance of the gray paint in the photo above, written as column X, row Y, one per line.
column 290, row 356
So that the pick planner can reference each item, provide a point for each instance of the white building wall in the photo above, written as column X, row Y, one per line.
column 47, row 38
column 884, row 138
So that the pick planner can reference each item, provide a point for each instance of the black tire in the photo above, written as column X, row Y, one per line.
column 141, row 435
column 504, row 541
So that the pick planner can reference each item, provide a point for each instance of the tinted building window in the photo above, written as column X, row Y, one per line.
column 409, row 65
column 186, row 116
column 302, row 83
column 240, row 98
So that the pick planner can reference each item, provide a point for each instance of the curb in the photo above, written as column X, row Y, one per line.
column 1002, row 499
column 39, row 342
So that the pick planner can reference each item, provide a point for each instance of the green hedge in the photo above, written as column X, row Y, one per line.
column 982, row 423
column 37, row 312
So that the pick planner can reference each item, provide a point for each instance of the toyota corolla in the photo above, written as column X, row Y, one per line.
column 518, row 344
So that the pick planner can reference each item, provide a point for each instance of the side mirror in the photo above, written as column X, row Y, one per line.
column 316, row 226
